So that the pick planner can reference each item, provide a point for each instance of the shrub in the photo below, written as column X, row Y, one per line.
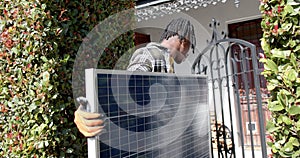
column 39, row 41
column 281, row 44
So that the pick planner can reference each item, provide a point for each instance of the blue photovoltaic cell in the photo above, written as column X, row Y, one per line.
column 153, row 115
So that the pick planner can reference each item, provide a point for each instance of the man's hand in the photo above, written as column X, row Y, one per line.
column 89, row 124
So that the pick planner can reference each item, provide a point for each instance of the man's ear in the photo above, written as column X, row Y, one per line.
column 183, row 43
column 186, row 43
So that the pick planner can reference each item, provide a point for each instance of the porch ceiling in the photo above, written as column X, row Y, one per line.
column 146, row 9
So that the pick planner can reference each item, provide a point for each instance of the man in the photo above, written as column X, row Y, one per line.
column 175, row 43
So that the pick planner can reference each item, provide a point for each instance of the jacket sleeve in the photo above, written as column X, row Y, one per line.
column 141, row 60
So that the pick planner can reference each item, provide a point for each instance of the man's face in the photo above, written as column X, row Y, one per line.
column 181, row 51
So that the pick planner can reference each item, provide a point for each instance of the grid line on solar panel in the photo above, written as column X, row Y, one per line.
column 131, row 106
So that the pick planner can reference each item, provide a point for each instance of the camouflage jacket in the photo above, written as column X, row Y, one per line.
column 145, row 59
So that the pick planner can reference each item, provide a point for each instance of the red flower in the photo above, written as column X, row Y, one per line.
column 270, row 13
column 9, row 135
column 29, row 65
column 19, row 136
column 279, row 9
column 4, row 35
column 21, row 146
column 9, row 43
column 5, row 12
column 270, row 156
column 275, row 29
column 270, row 138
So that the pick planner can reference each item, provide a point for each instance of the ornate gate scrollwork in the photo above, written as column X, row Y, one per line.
column 227, row 61
column 224, row 133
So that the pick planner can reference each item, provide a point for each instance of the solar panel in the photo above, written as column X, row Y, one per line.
column 149, row 114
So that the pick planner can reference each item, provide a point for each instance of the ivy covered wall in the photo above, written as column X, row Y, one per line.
column 38, row 44
column 281, row 44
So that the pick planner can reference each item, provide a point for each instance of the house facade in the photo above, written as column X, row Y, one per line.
column 237, row 19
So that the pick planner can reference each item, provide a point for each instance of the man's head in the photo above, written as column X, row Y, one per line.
column 178, row 37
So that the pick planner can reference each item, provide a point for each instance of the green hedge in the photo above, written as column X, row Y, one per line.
column 281, row 44
column 39, row 41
